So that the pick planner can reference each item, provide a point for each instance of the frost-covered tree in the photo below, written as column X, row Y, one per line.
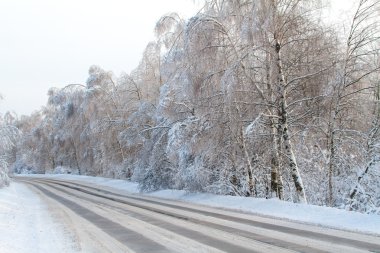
column 8, row 134
column 347, row 120
column 252, row 98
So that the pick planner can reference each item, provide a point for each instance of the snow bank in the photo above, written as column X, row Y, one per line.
column 318, row 215
column 26, row 224
column 311, row 214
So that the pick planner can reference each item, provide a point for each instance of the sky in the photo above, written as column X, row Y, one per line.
column 52, row 43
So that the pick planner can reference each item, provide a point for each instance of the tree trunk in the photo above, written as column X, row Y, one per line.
column 247, row 160
column 297, row 180
column 283, row 115
column 248, row 164
column 372, row 155
column 331, row 166
column 277, row 189
column 332, row 146
column 276, row 183
column 75, row 156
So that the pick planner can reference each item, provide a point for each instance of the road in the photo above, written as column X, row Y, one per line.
column 104, row 220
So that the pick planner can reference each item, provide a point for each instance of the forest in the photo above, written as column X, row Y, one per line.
column 250, row 98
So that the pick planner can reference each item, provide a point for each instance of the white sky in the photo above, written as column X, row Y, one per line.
column 51, row 43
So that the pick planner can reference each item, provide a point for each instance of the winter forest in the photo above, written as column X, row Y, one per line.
column 254, row 98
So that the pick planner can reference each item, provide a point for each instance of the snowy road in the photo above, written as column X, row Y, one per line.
column 102, row 220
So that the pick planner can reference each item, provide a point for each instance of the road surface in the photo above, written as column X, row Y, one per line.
column 103, row 220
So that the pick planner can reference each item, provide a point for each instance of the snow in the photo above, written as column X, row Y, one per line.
column 318, row 215
column 26, row 224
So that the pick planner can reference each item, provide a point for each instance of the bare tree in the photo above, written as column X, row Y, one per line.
column 355, row 69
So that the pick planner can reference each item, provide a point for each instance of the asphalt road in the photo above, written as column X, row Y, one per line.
column 103, row 220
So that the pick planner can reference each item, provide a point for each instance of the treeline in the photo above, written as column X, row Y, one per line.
column 254, row 98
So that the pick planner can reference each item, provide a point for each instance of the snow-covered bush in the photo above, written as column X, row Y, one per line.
column 364, row 196
column 64, row 170
column 19, row 167
column 117, row 171
column 8, row 135
column 154, row 170
column 4, row 179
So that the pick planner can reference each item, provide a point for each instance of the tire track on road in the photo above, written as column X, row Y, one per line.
column 128, row 237
column 178, row 212
column 372, row 247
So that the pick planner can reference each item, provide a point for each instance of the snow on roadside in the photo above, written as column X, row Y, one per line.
column 318, row 215
column 26, row 225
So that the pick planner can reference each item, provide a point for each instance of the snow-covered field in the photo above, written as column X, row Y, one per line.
column 26, row 224
column 322, row 216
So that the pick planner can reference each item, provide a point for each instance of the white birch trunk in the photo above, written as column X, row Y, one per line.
column 289, row 153
column 277, row 189
column 248, row 164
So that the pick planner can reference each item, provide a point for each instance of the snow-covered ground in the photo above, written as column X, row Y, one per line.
column 323, row 216
column 26, row 225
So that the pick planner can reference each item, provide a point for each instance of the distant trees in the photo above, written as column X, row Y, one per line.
column 251, row 98
column 8, row 136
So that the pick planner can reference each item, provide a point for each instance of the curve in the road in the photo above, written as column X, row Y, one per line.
column 304, row 233
column 177, row 212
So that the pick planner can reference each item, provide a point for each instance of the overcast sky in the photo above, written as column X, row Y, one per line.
column 51, row 43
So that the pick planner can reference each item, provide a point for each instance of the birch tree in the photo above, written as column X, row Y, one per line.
column 252, row 98
column 356, row 67
column 366, row 182
column 278, row 28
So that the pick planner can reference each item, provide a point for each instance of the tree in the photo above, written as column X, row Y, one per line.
column 251, row 98
column 355, row 69
column 8, row 135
